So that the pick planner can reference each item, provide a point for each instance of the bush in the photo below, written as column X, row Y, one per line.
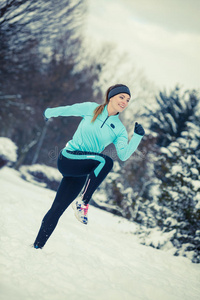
column 41, row 175
column 8, row 152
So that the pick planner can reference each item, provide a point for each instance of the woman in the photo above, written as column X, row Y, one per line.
column 81, row 162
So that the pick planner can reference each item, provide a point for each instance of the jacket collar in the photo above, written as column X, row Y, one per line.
column 105, row 112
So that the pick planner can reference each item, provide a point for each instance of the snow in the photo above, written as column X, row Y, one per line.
column 102, row 260
column 8, row 150
column 194, row 171
column 29, row 172
column 159, row 239
column 176, row 169
column 196, row 185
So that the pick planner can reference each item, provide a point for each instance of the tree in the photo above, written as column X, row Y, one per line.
column 176, row 208
column 46, row 68
column 38, row 41
column 35, row 25
column 171, row 115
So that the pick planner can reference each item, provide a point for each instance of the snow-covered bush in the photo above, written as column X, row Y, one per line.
column 42, row 175
column 174, row 110
column 175, row 210
column 8, row 152
column 179, row 192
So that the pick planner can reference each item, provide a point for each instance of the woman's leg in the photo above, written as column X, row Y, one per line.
column 76, row 163
column 68, row 190
column 96, row 177
column 75, row 168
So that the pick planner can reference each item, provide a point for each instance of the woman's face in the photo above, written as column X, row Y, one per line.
column 119, row 102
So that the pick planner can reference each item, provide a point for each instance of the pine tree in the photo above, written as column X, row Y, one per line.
column 171, row 115
column 177, row 208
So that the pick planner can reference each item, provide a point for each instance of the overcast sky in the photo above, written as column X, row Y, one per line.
column 162, row 36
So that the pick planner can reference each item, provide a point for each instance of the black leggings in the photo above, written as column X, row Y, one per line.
column 78, row 169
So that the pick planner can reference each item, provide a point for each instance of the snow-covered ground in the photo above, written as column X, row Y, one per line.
column 102, row 260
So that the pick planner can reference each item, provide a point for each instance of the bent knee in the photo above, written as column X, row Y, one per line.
column 109, row 162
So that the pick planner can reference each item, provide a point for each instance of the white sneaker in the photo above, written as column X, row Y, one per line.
column 80, row 210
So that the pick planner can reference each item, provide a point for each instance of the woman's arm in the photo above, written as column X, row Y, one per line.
column 78, row 110
column 124, row 148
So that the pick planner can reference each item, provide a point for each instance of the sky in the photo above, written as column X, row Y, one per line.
column 161, row 37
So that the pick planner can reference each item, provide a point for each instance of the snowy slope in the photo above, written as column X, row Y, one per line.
column 102, row 260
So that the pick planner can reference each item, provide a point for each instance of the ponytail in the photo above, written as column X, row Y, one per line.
column 98, row 110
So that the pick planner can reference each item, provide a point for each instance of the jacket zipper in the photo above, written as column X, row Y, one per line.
column 104, row 121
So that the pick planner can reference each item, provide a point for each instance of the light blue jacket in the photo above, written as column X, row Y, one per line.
column 94, row 137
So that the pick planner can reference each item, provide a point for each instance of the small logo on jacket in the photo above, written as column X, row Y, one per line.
column 112, row 125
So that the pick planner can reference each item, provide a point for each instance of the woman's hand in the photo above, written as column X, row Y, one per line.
column 139, row 129
column 45, row 118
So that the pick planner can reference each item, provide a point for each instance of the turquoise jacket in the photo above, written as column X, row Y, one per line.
column 94, row 137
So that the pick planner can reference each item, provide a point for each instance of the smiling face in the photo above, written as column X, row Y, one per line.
column 118, row 103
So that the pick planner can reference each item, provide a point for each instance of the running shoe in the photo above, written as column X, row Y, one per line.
column 80, row 210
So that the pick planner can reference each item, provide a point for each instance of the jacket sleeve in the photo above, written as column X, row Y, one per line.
column 125, row 148
column 77, row 110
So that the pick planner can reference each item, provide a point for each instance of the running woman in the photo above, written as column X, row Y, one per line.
column 81, row 162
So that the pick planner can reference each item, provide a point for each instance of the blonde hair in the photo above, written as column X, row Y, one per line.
column 99, row 109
